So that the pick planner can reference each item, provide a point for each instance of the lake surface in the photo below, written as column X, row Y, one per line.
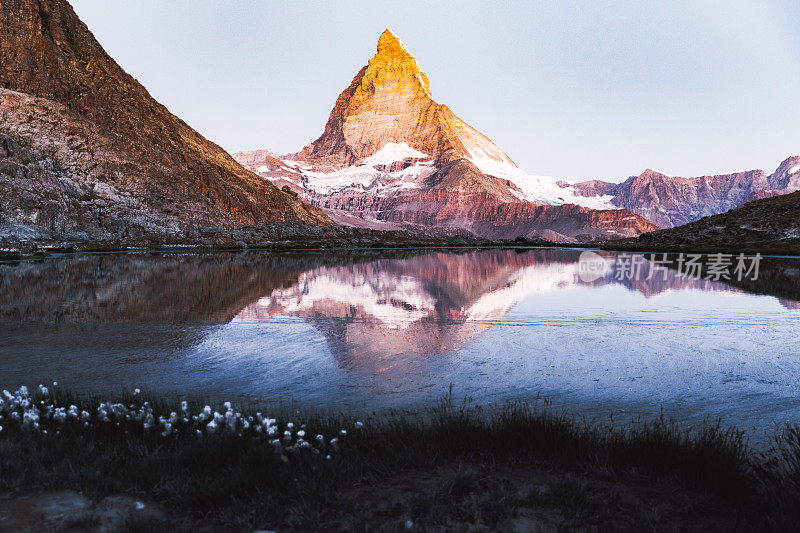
column 372, row 331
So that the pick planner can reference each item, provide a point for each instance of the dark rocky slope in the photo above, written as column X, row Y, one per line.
column 88, row 152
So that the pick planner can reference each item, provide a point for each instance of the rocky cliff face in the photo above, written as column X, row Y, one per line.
column 672, row 201
column 391, row 155
column 87, row 150
column 675, row 201
column 785, row 179
column 587, row 189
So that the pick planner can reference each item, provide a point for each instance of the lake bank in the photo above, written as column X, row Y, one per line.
column 294, row 237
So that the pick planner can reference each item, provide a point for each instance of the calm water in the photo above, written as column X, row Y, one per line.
column 370, row 332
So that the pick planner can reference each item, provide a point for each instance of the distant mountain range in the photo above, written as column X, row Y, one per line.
column 671, row 201
column 86, row 152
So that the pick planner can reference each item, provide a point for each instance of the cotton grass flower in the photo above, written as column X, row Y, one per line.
column 19, row 411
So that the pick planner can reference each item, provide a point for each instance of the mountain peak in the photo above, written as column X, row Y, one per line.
column 389, row 101
column 651, row 173
column 394, row 66
column 388, row 43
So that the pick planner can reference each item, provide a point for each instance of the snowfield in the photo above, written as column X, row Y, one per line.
column 392, row 153
column 365, row 176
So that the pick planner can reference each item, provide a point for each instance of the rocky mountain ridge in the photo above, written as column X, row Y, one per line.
column 673, row 201
column 88, row 153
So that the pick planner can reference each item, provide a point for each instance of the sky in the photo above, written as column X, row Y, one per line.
column 575, row 90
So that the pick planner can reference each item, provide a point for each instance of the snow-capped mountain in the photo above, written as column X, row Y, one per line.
column 391, row 156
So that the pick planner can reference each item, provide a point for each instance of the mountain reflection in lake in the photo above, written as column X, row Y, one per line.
column 373, row 331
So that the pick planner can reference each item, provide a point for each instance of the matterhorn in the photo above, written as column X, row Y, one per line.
column 392, row 157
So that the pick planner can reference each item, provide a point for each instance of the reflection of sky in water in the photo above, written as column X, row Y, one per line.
column 398, row 332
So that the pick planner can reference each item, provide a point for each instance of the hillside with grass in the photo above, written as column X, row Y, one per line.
column 769, row 224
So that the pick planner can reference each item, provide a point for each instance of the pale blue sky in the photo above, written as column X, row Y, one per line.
column 577, row 90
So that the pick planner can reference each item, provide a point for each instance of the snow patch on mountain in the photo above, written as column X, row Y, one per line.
column 298, row 166
column 366, row 177
column 541, row 190
column 393, row 152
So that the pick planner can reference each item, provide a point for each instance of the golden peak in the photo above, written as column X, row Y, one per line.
column 389, row 43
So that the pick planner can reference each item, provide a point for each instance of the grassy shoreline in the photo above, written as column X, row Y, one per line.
column 47, row 252
column 452, row 466
column 621, row 246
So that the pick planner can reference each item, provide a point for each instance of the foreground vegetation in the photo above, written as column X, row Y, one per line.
column 452, row 467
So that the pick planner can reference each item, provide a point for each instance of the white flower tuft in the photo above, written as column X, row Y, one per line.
column 42, row 415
